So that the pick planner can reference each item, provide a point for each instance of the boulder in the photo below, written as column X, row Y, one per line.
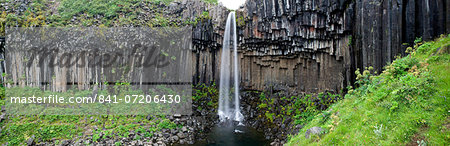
column 30, row 140
column 313, row 130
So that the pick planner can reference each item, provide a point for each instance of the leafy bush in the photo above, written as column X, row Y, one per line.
column 262, row 105
column 301, row 108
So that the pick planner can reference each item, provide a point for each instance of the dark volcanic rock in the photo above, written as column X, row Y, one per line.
column 381, row 27
column 30, row 141
column 314, row 46
column 302, row 45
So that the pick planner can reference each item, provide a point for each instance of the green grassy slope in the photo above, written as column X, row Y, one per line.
column 407, row 104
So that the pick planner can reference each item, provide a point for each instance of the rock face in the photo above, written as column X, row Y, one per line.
column 302, row 45
column 381, row 27
column 305, row 45
column 206, row 33
column 316, row 45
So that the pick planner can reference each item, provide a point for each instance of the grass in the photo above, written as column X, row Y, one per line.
column 301, row 109
column 405, row 104
column 17, row 129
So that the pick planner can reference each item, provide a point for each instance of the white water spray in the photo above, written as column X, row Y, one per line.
column 225, row 107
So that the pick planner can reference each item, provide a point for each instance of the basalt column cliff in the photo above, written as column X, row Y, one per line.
column 297, row 45
column 316, row 45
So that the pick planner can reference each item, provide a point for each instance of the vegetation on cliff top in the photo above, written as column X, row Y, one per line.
column 102, row 13
column 406, row 104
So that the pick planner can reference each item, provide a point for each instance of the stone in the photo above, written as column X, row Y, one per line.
column 65, row 143
column 173, row 131
column 110, row 142
column 190, row 142
column 181, row 135
column 2, row 117
column 275, row 143
column 177, row 115
column 30, row 140
column 175, row 138
column 313, row 130
column 182, row 141
column 173, row 5
column 148, row 117
column 166, row 135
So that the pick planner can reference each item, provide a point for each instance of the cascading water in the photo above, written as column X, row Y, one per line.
column 226, row 132
column 226, row 110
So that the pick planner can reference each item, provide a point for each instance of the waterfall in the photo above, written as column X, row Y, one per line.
column 226, row 110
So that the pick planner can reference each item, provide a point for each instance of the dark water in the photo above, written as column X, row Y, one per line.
column 228, row 134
